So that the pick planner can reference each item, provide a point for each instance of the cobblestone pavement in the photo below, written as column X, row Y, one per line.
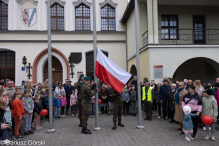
column 158, row 132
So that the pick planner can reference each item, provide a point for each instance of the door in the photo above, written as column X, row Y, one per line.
column 56, row 70
column 90, row 64
column 199, row 29
column 7, row 65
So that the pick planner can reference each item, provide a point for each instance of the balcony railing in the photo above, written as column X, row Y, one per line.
column 188, row 36
column 185, row 36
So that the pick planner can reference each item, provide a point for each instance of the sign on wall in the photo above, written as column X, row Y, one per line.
column 158, row 71
column 28, row 16
column 22, row 68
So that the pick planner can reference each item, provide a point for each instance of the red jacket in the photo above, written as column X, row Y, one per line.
column 18, row 108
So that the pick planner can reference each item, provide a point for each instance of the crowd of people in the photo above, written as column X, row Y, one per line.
column 29, row 99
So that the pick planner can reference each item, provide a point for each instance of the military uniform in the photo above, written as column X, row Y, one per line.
column 87, row 93
column 147, row 97
column 78, row 86
column 117, row 108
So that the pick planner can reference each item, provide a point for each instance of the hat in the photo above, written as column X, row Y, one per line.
column 81, row 75
column 87, row 78
column 217, row 85
column 69, row 81
column 146, row 81
column 165, row 80
column 208, row 91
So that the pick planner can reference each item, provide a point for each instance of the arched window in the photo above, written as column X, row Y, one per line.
column 57, row 17
column 82, row 17
column 7, row 65
column 108, row 18
column 3, row 16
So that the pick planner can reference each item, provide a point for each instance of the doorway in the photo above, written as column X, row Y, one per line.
column 56, row 70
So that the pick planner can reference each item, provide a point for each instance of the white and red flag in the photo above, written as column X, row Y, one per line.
column 110, row 73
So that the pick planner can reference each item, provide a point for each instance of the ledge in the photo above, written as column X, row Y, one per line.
column 62, row 41
column 61, row 32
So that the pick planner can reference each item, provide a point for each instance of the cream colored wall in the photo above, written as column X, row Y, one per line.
column 142, row 21
column 185, row 19
column 131, row 47
column 144, row 64
column 27, row 4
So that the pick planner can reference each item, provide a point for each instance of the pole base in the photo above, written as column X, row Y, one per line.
column 140, row 127
column 51, row 130
column 97, row 129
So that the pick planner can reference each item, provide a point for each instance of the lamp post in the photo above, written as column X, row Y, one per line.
column 71, row 66
column 24, row 61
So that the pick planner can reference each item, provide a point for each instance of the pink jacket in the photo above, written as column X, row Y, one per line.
column 93, row 99
column 73, row 100
column 217, row 97
column 64, row 101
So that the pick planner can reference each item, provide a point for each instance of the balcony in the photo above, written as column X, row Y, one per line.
column 175, row 36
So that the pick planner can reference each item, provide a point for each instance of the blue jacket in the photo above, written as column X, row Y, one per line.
column 58, row 103
column 187, row 121
column 47, row 101
column 214, row 91
column 163, row 92
column 68, row 90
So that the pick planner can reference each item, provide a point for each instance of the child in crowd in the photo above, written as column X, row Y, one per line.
column 209, row 108
column 73, row 103
column 17, row 112
column 133, row 99
column 64, row 103
column 37, row 110
column 43, row 96
column 126, row 99
column 187, row 122
column 47, row 105
column 28, row 108
column 7, row 119
column 57, row 106
column 92, row 112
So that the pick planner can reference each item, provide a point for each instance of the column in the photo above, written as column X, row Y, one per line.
column 150, row 21
column 155, row 22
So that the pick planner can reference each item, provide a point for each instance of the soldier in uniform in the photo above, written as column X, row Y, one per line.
column 117, row 108
column 78, row 86
column 148, row 97
column 86, row 95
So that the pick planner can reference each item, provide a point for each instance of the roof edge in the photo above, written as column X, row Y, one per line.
column 127, row 12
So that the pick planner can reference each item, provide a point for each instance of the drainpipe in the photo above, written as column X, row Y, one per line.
column 126, row 46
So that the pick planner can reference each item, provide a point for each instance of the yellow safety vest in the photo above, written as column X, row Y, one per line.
column 150, row 94
column 143, row 93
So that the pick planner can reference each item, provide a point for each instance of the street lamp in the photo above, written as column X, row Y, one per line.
column 71, row 66
column 24, row 61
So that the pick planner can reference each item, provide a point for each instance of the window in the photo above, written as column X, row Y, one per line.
column 108, row 18
column 7, row 65
column 3, row 16
column 169, row 24
column 82, row 17
column 199, row 31
column 57, row 17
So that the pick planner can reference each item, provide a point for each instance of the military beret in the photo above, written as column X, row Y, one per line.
column 87, row 78
column 81, row 75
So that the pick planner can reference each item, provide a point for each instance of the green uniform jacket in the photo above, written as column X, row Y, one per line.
column 78, row 86
column 87, row 92
column 116, row 96
column 146, row 92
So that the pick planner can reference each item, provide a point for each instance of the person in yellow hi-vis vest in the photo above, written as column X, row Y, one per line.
column 148, row 97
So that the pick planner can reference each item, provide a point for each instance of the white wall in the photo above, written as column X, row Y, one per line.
column 172, row 56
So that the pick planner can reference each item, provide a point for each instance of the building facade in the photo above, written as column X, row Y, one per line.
column 23, row 32
column 178, row 39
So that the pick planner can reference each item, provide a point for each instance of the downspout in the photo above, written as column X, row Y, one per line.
column 126, row 46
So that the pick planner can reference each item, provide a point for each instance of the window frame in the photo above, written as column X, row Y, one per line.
column 3, row 15
column 56, row 17
column 170, row 27
column 107, row 17
column 82, row 17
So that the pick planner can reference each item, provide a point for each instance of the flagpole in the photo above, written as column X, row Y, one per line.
column 50, row 130
column 96, row 128
column 138, row 67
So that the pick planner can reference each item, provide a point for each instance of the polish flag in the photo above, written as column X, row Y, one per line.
column 110, row 73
